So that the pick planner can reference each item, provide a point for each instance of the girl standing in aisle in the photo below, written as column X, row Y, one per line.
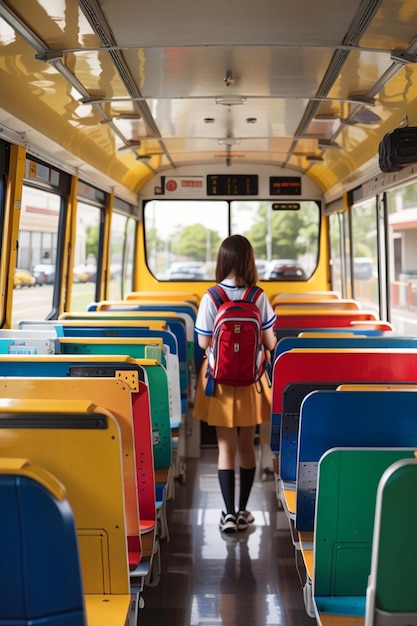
column 234, row 411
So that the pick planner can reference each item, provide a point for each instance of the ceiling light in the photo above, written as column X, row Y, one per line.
column 323, row 126
column 229, row 141
column 231, row 101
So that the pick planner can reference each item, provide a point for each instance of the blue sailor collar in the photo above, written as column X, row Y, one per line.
column 229, row 283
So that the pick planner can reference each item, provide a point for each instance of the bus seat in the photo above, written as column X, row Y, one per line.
column 184, row 311
column 343, row 538
column 301, row 318
column 305, row 296
column 41, row 574
column 48, row 432
column 173, row 322
column 182, row 296
column 28, row 341
column 170, row 360
column 391, row 596
column 106, row 366
column 325, row 304
column 332, row 419
column 137, row 348
column 120, row 398
column 335, row 366
column 372, row 324
column 282, row 333
column 93, row 365
column 336, row 340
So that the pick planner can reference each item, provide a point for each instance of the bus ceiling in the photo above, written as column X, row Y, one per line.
column 121, row 91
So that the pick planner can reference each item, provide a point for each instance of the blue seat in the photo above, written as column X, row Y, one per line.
column 331, row 419
column 40, row 575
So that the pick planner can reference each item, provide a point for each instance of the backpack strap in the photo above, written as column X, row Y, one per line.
column 252, row 294
column 218, row 295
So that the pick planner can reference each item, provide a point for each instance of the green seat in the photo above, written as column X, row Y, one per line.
column 391, row 593
column 347, row 485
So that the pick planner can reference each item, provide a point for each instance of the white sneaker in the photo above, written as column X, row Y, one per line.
column 228, row 523
column 243, row 519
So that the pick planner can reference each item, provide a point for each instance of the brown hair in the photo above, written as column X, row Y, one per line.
column 236, row 256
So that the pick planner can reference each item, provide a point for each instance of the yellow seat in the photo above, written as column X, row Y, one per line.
column 54, row 436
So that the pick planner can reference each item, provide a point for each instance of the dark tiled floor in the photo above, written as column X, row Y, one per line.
column 211, row 579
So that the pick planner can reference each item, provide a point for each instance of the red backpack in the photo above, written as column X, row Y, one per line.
column 236, row 355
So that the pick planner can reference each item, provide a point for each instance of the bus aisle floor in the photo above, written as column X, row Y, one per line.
column 245, row 579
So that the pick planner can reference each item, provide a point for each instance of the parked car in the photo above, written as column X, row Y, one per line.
column 187, row 270
column 23, row 278
column 285, row 269
column 44, row 273
column 363, row 267
column 261, row 266
column 85, row 272
column 80, row 274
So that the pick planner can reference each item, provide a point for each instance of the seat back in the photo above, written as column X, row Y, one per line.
column 111, row 393
column 346, row 494
column 61, row 439
column 338, row 365
column 332, row 419
column 391, row 593
column 305, row 317
column 174, row 323
column 40, row 567
column 105, row 366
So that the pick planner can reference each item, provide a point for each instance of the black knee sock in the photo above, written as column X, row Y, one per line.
column 227, row 487
column 246, row 481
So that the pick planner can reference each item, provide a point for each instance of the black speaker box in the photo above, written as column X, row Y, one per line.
column 398, row 149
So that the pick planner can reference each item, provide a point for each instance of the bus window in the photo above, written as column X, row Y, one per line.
column 37, row 253
column 86, row 247
column 285, row 241
column 182, row 238
column 402, row 229
column 336, row 251
column 364, row 249
column 121, row 256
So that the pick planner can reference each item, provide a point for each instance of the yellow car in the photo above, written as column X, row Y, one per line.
column 80, row 274
column 23, row 278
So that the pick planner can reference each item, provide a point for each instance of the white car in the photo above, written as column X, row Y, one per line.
column 187, row 270
column 261, row 266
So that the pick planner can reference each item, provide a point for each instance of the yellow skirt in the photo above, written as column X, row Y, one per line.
column 232, row 406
